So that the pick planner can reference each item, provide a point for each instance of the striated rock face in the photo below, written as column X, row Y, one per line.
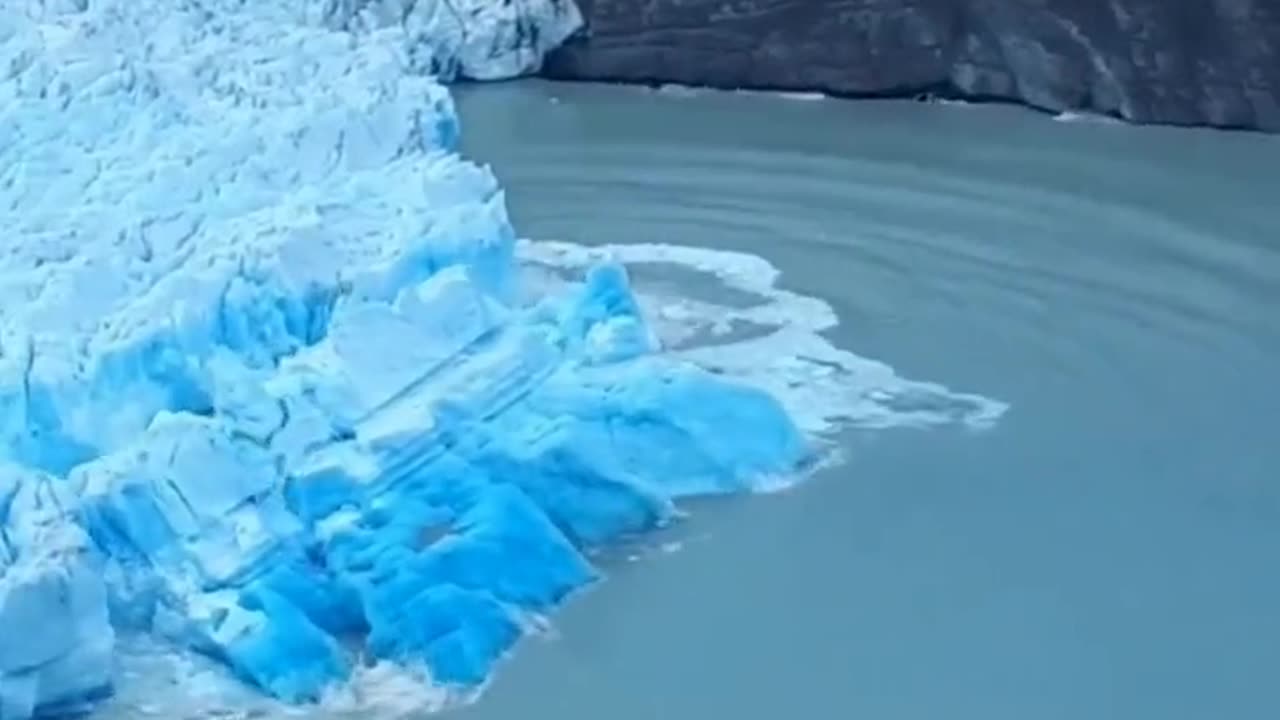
column 1186, row 62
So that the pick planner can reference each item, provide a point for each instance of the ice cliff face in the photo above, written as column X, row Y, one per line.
column 265, row 390
column 477, row 39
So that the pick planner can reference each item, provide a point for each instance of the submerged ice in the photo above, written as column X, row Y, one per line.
column 274, row 391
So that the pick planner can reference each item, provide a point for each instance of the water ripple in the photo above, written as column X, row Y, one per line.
column 1145, row 232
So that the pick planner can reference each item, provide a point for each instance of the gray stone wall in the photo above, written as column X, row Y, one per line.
column 1186, row 62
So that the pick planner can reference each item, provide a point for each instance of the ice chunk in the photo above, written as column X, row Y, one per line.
column 57, row 647
column 462, row 493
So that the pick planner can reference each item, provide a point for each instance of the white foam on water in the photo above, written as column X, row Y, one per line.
column 681, row 90
column 1072, row 116
column 678, row 90
column 159, row 681
column 799, row 95
column 771, row 338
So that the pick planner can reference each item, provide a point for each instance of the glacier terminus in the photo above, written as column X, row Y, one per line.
column 270, row 392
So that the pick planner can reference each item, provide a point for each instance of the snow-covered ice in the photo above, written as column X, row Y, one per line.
column 273, row 391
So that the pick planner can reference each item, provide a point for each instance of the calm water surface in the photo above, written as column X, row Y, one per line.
column 1111, row 549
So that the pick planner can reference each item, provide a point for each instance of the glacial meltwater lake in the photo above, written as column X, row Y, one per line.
column 1109, row 548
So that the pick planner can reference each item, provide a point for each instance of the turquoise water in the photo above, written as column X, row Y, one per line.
column 1108, row 550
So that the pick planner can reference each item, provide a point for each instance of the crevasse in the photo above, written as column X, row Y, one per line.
column 265, row 389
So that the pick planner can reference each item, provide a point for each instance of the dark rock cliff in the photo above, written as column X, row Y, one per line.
column 1186, row 62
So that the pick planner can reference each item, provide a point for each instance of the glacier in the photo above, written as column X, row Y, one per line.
column 264, row 388
column 274, row 389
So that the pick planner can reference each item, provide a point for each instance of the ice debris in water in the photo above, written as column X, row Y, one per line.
column 265, row 392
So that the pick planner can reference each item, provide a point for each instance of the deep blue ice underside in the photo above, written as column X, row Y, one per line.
column 264, row 390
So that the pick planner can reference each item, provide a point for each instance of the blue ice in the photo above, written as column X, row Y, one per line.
column 266, row 392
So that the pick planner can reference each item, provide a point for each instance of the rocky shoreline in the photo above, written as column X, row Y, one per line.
column 1193, row 62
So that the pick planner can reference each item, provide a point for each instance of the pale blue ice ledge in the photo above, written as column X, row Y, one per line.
column 266, row 394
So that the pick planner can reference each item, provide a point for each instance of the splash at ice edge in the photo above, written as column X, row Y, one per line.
column 731, row 317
